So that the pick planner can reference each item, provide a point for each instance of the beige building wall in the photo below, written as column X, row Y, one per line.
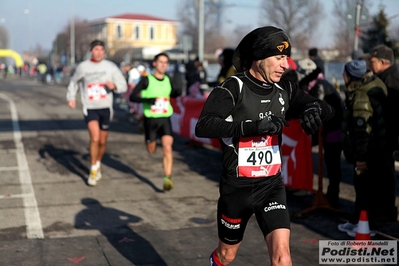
column 153, row 35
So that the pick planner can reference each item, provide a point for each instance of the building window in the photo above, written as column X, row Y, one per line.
column 152, row 33
column 136, row 32
column 166, row 33
column 118, row 31
column 104, row 32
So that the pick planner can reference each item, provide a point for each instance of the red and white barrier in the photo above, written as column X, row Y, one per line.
column 297, row 169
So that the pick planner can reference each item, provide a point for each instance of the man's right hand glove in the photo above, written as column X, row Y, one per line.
column 271, row 125
column 310, row 119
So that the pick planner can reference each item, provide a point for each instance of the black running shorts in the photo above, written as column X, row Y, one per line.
column 103, row 116
column 264, row 197
column 156, row 127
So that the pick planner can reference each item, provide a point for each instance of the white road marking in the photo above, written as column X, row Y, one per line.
column 14, row 196
column 8, row 151
column 9, row 168
column 32, row 216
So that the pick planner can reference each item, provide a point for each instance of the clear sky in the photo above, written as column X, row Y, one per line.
column 32, row 22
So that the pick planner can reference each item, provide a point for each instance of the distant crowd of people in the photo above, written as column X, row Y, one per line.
column 47, row 74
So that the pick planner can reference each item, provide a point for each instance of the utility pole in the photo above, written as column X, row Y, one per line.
column 201, row 27
column 357, row 27
column 72, row 32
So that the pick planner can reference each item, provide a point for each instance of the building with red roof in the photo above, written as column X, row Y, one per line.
column 134, row 36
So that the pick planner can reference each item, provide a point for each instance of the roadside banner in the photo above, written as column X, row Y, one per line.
column 297, row 165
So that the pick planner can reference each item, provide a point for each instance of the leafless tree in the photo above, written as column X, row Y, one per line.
column 394, row 30
column 188, row 15
column 4, row 39
column 298, row 18
column 344, row 33
column 82, row 42
column 39, row 51
column 238, row 33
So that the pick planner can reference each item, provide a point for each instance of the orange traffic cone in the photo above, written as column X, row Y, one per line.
column 363, row 229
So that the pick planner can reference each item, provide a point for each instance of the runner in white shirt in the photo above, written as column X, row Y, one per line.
column 96, row 78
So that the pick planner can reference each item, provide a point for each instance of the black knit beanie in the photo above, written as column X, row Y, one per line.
column 95, row 43
column 259, row 44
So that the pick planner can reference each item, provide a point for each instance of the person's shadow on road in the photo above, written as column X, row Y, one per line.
column 110, row 161
column 114, row 225
column 66, row 158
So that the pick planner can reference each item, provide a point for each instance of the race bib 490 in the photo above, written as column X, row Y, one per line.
column 258, row 156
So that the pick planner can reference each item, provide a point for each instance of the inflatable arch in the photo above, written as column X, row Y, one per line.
column 13, row 54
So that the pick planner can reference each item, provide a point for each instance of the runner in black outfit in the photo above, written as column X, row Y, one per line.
column 247, row 114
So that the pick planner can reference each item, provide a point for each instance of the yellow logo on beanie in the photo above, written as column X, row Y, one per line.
column 282, row 46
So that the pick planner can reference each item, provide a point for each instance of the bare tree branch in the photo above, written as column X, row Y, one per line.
column 299, row 18
column 188, row 17
column 343, row 34
column 4, row 38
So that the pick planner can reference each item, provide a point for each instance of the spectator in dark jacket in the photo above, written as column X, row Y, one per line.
column 381, row 62
column 365, row 145
column 314, row 55
column 226, row 63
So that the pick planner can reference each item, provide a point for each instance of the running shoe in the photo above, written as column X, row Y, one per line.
column 167, row 183
column 213, row 260
column 346, row 227
column 98, row 175
column 92, row 180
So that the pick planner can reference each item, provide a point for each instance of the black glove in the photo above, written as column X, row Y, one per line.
column 310, row 119
column 271, row 125
column 149, row 100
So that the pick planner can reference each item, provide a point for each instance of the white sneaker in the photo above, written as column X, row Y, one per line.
column 346, row 227
column 92, row 179
column 353, row 232
column 98, row 175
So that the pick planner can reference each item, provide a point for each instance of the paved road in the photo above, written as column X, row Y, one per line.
column 49, row 216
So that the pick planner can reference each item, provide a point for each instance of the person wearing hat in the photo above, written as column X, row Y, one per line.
column 306, row 66
column 96, row 78
column 247, row 113
column 364, row 139
column 357, row 54
column 226, row 63
column 382, row 63
column 315, row 57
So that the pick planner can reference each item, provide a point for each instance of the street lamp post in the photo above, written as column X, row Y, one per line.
column 72, row 32
column 201, row 27
column 356, row 15
column 357, row 29
column 27, row 12
column 6, row 41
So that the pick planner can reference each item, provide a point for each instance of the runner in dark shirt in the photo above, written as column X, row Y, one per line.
column 247, row 114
